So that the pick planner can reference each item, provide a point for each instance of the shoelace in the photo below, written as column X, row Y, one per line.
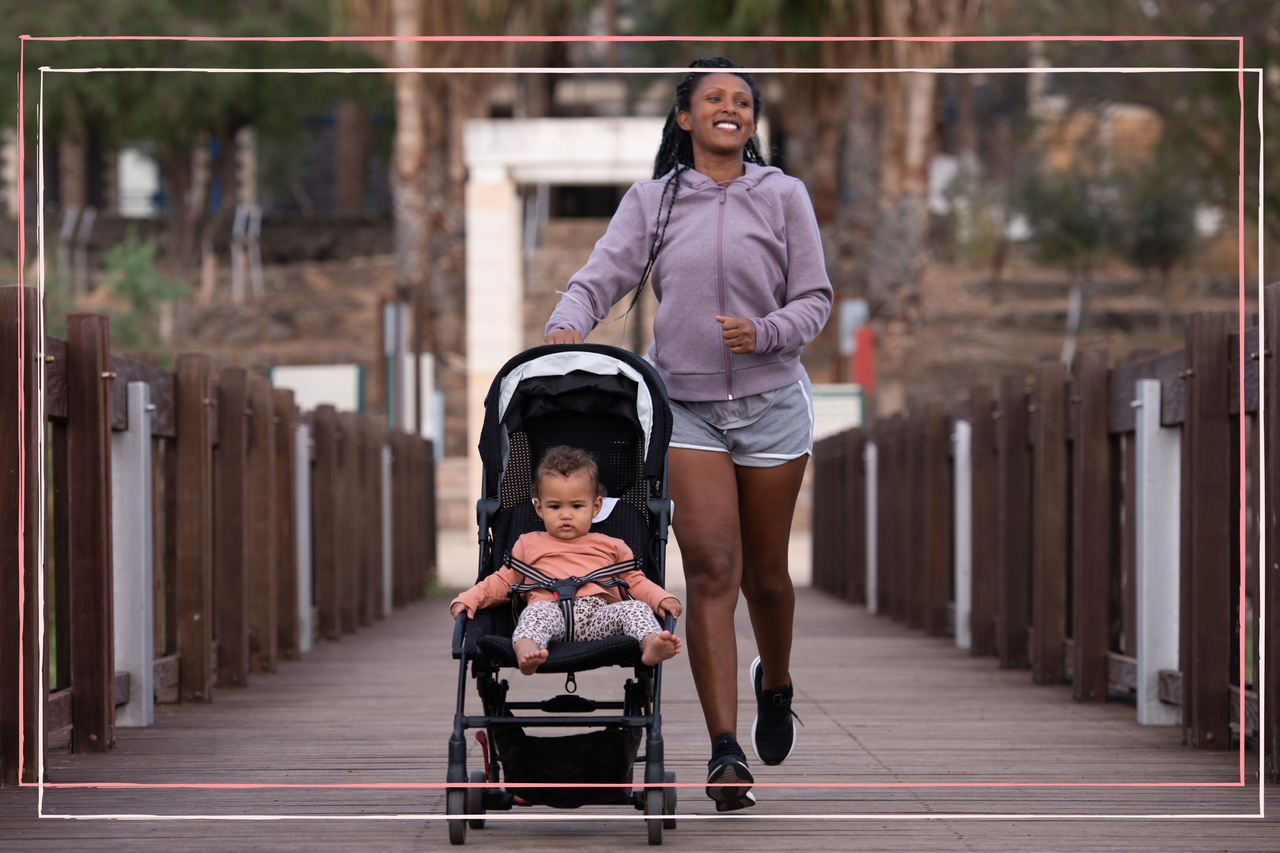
column 775, row 716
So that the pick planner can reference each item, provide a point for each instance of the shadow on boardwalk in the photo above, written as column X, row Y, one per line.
column 882, row 707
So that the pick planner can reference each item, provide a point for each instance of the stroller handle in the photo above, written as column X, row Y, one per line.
column 459, row 628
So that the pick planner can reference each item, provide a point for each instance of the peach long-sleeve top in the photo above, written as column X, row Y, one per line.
column 561, row 558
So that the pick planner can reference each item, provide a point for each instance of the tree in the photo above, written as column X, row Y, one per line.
column 176, row 111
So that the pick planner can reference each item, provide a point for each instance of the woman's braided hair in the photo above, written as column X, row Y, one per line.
column 675, row 153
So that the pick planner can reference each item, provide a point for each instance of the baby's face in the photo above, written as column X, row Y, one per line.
column 566, row 505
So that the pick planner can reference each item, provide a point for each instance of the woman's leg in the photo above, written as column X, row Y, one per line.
column 766, row 504
column 704, row 487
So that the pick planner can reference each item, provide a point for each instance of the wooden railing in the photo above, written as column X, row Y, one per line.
column 200, row 530
column 1085, row 525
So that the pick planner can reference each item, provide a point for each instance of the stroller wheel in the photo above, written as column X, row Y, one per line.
column 653, row 802
column 455, row 803
column 475, row 800
column 669, row 801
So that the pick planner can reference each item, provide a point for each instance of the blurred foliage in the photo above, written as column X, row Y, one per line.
column 132, row 277
column 174, row 109
column 1200, row 111
column 1160, row 218
column 1073, row 218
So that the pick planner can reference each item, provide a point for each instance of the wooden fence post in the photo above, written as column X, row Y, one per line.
column 1271, row 424
column 400, row 517
column 193, row 506
column 324, row 487
column 822, row 531
column 1208, row 530
column 21, row 738
column 1093, row 523
column 853, row 522
column 349, row 527
column 89, row 470
column 1049, row 524
column 900, row 568
column 937, row 517
column 982, row 442
column 230, row 550
column 262, row 562
column 916, row 577
column 1013, row 545
column 373, row 438
column 284, row 429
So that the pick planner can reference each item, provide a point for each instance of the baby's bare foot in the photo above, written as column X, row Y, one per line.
column 530, row 661
column 655, row 648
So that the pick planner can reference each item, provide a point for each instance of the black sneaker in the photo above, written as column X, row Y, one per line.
column 773, row 734
column 728, row 779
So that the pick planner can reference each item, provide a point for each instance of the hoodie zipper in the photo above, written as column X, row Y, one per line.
column 722, row 293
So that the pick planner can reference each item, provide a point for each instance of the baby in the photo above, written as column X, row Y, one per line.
column 566, row 496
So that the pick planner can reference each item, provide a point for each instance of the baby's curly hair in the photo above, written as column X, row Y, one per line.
column 566, row 461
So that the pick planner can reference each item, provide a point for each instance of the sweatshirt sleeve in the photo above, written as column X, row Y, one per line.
column 492, row 590
column 809, row 293
column 615, row 267
column 640, row 587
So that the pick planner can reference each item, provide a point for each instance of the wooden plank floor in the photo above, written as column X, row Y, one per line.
column 881, row 706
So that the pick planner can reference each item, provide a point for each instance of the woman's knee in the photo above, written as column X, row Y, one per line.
column 711, row 572
column 767, row 587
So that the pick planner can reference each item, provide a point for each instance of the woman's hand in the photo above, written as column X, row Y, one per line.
column 739, row 334
column 562, row 336
column 671, row 605
column 457, row 607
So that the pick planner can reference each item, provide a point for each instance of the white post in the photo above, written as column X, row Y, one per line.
column 385, row 467
column 869, row 457
column 302, row 506
column 1158, row 517
column 963, row 532
column 495, row 300
column 131, row 557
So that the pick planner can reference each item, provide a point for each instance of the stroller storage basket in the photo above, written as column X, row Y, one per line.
column 600, row 757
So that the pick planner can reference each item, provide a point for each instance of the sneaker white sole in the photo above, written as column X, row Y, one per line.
column 755, row 665
column 730, row 791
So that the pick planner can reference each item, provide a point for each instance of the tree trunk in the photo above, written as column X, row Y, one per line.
column 898, row 251
column 350, row 156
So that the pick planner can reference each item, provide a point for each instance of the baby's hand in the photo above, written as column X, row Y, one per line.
column 671, row 605
column 457, row 607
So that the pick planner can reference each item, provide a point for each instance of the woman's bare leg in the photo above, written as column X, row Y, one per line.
column 766, row 504
column 704, row 486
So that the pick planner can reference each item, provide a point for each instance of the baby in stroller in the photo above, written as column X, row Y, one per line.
column 567, row 496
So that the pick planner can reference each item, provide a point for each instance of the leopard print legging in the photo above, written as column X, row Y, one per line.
column 593, row 619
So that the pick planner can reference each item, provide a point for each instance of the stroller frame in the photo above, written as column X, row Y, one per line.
column 527, row 399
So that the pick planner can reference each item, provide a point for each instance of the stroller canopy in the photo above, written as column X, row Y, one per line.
column 584, row 378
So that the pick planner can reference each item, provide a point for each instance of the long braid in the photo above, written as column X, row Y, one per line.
column 675, row 155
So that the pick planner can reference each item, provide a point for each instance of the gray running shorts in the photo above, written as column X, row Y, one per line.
column 783, row 433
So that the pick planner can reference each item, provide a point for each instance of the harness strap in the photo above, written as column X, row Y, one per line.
column 566, row 589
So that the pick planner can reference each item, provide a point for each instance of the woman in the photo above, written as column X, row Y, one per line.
column 732, row 250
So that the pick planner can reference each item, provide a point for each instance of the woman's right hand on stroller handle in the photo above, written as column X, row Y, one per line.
column 562, row 336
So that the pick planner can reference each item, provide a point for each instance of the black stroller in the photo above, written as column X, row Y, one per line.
column 613, row 404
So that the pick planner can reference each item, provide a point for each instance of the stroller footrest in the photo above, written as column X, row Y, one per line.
column 567, row 657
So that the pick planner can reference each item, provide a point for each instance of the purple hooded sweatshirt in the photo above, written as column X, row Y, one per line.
column 748, row 249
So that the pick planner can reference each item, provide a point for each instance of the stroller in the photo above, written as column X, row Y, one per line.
column 612, row 404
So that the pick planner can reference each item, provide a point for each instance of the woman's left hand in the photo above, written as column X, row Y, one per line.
column 739, row 334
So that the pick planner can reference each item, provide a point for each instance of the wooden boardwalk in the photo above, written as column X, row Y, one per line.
column 881, row 706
